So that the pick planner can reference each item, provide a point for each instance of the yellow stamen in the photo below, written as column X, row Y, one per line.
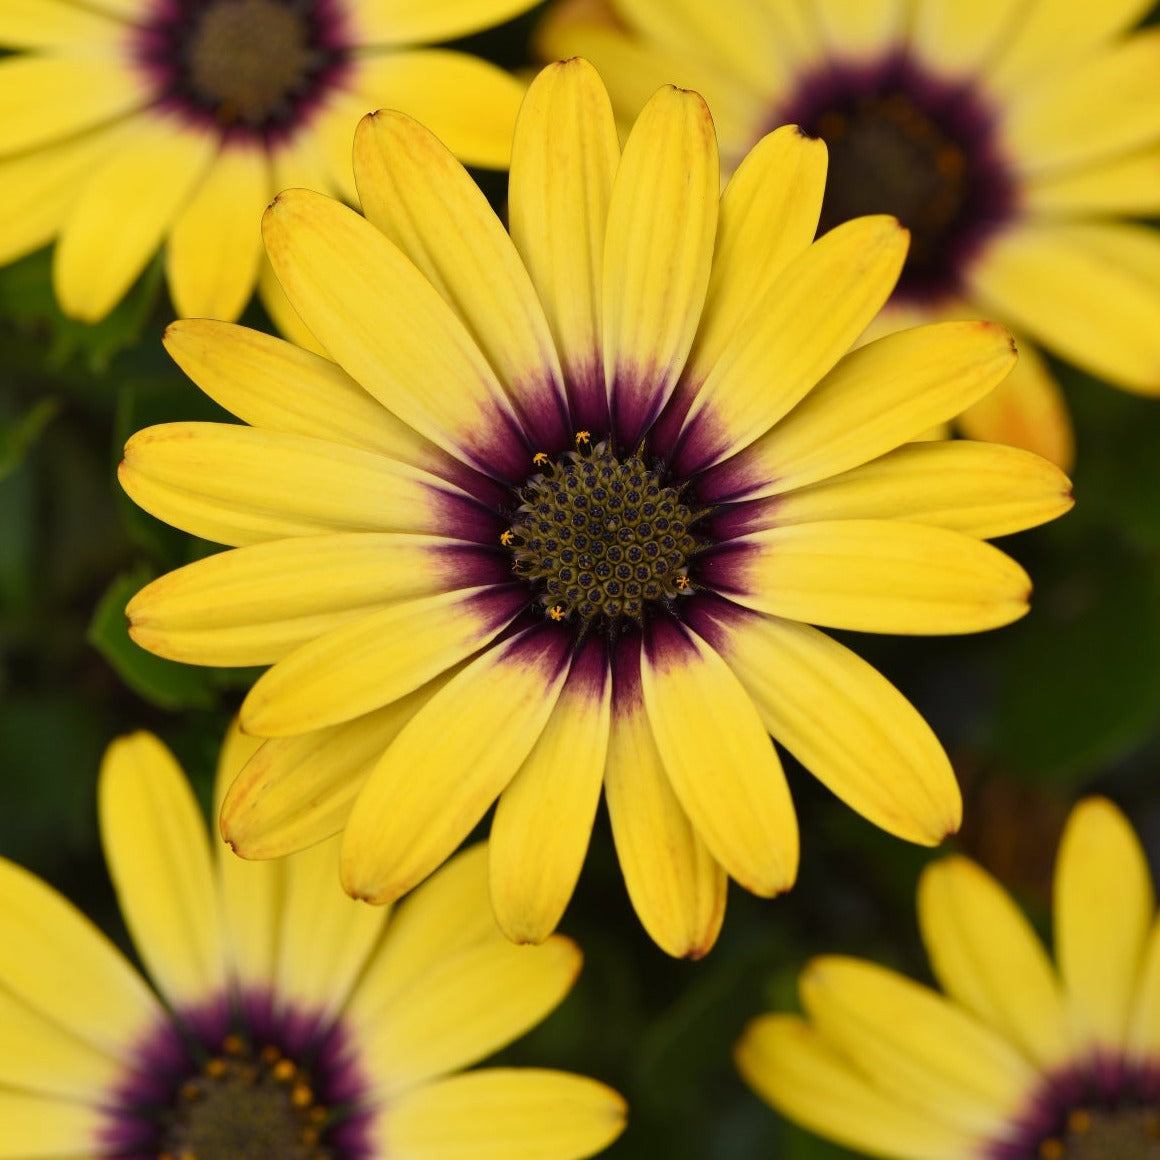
column 557, row 612
column 540, row 459
column 583, row 438
column 284, row 1071
column 233, row 1045
column 507, row 537
column 216, row 1068
column 1079, row 1121
column 1051, row 1150
column 302, row 1096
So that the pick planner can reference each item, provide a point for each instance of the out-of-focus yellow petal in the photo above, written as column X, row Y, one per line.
column 38, row 1127
column 1116, row 185
column 57, row 24
column 421, row 22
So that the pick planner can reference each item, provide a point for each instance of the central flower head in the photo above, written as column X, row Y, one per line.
column 1105, row 1134
column 600, row 537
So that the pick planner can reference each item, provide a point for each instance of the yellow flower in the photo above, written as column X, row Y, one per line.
column 290, row 1023
column 560, row 512
column 131, row 123
column 1009, row 137
column 1021, row 1060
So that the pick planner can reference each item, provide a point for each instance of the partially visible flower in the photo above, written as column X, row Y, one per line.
column 126, row 124
column 561, row 513
column 291, row 1023
column 1010, row 138
column 1021, row 1059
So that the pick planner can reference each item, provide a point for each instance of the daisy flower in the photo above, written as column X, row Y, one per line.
column 564, row 506
column 1020, row 1059
column 1010, row 136
column 128, row 124
column 288, row 1021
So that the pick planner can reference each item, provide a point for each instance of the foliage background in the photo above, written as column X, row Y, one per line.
column 1063, row 703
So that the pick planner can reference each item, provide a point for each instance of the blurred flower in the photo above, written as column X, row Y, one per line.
column 561, row 512
column 1021, row 1060
column 1008, row 137
column 297, row 1024
column 129, row 123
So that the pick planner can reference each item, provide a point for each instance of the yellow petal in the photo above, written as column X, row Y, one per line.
column 215, row 247
column 56, row 24
column 879, row 396
column 239, row 485
column 159, row 859
column 980, row 489
column 388, row 327
column 807, row 319
column 960, row 36
column 658, row 250
column 918, row 1046
column 1027, row 409
column 986, row 957
column 421, row 22
column 769, row 215
column 48, row 97
column 496, row 1114
column 107, row 1004
column 1101, row 106
column 124, row 212
column 468, row 103
column 1116, row 185
column 1142, row 1043
column 676, row 887
column 878, row 576
column 463, row 1008
column 543, row 821
column 38, row 1127
column 296, row 791
column 793, row 1068
column 415, row 191
column 285, row 318
column 845, row 723
column 564, row 157
column 1060, row 285
column 255, row 604
column 1103, row 909
column 324, row 937
column 449, row 764
column 861, row 29
column 719, row 759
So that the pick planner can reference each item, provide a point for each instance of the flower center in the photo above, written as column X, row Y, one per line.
column 1093, row 1134
column 247, row 58
column 598, row 536
column 904, row 143
column 246, row 1104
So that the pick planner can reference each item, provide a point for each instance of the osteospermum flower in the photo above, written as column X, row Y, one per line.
column 292, row 1024
column 562, row 510
column 128, row 123
column 1010, row 137
column 1020, row 1060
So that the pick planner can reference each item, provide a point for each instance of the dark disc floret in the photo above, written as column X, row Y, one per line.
column 903, row 142
column 248, row 68
column 601, row 537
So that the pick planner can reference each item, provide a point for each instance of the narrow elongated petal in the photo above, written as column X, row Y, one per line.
column 860, row 29
column 876, row 576
column 169, row 160
column 38, row 1127
column 544, row 817
column 159, row 859
column 239, row 485
column 398, row 22
column 496, row 1113
column 559, row 209
column 51, row 96
column 1101, row 106
column 387, row 326
column 719, row 759
column 215, row 247
column 920, row 1047
column 296, row 791
column 662, row 218
column 980, row 489
column 1143, row 1038
column 450, row 762
column 676, row 886
column 986, row 956
column 421, row 198
column 464, row 1008
column 806, row 321
column 796, row 1070
column 879, row 396
column 254, row 605
column 1103, row 909
column 960, row 36
column 56, row 24
column 1116, row 185
column 107, row 1004
column 843, row 721
column 371, row 661
column 1056, row 283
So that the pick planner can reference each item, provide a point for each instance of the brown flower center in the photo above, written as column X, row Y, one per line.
column 1094, row 1134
